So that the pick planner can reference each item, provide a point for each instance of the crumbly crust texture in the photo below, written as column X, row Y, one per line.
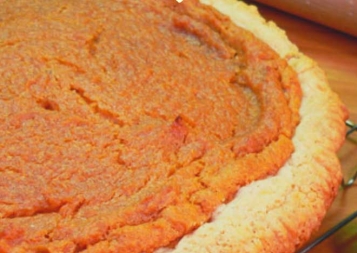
column 93, row 166
column 279, row 213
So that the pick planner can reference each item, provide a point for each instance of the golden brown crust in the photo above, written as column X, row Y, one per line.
column 52, row 212
column 278, row 214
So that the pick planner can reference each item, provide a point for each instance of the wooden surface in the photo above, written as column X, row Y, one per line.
column 336, row 53
column 338, row 14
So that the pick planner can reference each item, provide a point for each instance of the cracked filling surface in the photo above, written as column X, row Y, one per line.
column 125, row 122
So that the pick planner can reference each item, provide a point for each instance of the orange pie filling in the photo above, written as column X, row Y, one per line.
column 125, row 124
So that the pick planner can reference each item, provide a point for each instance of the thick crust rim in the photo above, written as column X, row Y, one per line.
column 279, row 213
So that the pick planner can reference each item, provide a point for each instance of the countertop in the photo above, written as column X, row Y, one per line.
column 336, row 53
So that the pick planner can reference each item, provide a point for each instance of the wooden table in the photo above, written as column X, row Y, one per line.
column 336, row 53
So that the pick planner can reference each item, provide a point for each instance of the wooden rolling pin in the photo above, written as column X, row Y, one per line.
column 338, row 14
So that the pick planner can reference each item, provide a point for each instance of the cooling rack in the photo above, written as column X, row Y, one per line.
column 344, row 185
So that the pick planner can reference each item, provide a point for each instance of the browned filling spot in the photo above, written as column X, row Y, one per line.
column 124, row 124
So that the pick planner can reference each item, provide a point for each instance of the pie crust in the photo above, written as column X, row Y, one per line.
column 279, row 213
column 275, row 214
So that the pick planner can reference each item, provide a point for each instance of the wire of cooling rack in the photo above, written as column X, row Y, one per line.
column 345, row 184
column 352, row 128
column 330, row 232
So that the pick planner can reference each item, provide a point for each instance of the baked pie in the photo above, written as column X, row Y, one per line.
column 160, row 126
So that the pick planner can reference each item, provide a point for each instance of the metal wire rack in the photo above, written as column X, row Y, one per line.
column 345, row 184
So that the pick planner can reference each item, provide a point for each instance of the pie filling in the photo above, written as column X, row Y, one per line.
column 125, row 124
